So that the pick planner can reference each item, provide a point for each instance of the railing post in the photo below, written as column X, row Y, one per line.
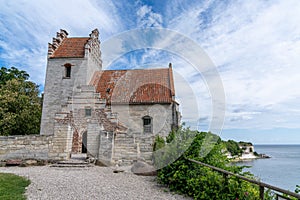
column 261, row 185
column 261, row 192
column 225, row 176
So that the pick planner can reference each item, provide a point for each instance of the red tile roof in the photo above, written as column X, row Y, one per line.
column 142, row 86
column 71, row 48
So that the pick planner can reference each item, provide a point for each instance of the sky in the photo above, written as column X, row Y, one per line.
column 253, row 45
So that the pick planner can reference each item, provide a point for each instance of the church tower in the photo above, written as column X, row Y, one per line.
column 71, row 64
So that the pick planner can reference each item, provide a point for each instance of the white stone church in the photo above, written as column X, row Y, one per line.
column 112, row 115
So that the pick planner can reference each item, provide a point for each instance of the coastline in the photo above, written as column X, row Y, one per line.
column 246, row 152
column 281, row 170
column 248, row 157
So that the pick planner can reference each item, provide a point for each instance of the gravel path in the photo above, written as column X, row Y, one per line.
column 89, row 183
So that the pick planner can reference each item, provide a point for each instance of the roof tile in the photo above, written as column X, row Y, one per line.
column 135, row 86
column 71, row 48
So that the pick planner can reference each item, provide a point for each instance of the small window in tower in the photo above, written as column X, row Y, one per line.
column 67, row 70
column 88, row 112
column 147, row 124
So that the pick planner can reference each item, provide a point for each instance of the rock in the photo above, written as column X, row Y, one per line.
column 118, row 170
column 143, row 168
column 264, row 156
column 103, row 163
column 90, row 160
column 30, row 162
column 15, row 162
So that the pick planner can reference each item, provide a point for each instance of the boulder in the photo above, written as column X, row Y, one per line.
column 13, row 162
column 143, row 169
column 30, row 162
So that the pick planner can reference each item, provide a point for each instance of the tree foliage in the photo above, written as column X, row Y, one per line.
column 20, row 105
column 12, row 73
column 198, row 181
column 233, row 147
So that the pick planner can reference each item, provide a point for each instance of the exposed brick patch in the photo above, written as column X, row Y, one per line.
column 76, row 142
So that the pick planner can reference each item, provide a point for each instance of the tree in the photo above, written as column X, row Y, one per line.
column 233, row 147
column 20, row 104
column 12, row 73
column 197, row 181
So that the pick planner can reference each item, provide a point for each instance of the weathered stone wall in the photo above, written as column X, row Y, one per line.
column 58, row 88
column 62, row 138
column 93, row 138
column 129, row 147
column 25, row 147
column 106, row 146
column 131, row 116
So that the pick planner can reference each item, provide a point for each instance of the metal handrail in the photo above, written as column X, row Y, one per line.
column 260, row 184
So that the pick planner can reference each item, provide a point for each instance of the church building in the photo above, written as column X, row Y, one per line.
column 111, row 115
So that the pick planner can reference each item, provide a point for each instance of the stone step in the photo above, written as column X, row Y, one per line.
column 72, row 163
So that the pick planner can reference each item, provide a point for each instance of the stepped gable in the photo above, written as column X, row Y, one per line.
column 143, row 86
column 64, row 47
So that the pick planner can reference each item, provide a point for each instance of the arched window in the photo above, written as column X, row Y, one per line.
column 67, row 70
column 147, row 124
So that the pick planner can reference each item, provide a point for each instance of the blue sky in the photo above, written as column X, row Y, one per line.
column 255, row 46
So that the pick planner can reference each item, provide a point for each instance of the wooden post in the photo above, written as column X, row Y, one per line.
column 225, row 176
column 261, row 192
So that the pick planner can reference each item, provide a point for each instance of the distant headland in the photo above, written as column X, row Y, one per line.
column 242, row 151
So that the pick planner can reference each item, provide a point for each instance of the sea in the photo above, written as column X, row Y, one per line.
column 281, row 170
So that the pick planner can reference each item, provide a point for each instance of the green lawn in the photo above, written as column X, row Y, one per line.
column 12, row 187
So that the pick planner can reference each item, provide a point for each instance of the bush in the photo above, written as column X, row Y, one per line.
column 198, row 181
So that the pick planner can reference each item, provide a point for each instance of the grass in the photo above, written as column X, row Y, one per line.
column 12, row 187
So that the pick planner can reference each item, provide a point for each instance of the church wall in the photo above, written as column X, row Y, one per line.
column 131, row 116
column 58, row 88
column 135, row 144
column 131, row 147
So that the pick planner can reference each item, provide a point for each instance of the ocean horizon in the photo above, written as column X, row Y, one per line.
column 281, row 170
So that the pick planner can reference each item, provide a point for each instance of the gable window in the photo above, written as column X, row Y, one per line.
column 147, row 124
column 88, row 112
column 67, row 70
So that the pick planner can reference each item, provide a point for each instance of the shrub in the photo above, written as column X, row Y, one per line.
column 198, row 181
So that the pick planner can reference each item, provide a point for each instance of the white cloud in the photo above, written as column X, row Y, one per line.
column 27, row 27
column 147, row 18
column 256, row 46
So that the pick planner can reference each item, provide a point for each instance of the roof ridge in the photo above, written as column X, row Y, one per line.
column 135, row 69
column 78, row 37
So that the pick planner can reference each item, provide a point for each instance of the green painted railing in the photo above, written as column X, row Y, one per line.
column 261, row 185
